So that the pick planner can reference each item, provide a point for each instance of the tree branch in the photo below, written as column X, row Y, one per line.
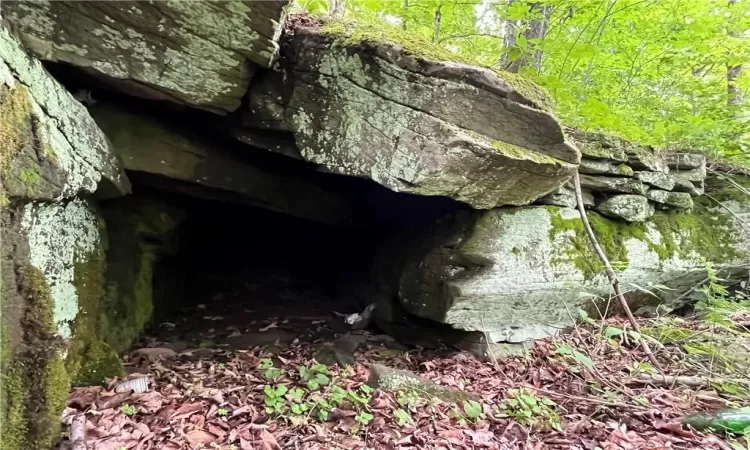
column 611, row 272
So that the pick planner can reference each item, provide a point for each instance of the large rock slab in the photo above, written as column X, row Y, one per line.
column 198, row 53
column 148, row 145
column 50, row 147
column 403, row 118
column 518, row 273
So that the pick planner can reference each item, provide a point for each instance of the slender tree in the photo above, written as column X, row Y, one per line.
column 734, row 93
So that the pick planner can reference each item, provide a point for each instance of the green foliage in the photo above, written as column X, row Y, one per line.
column 649, row 71
column 270, row 372
column 574, row 355
column 529, row 409
column 472, row 409
column 128, row 410
column 222, row 412
column 402, row 417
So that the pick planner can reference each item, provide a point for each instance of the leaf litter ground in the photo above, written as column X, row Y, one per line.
column 259, row 387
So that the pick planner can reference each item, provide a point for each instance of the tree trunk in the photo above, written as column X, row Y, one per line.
column 509, row 40
column 438, row 20
column 532, row 29
column 537, row 30
column 734, row 93
column 337, row 7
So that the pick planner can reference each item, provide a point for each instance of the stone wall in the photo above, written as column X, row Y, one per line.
column 627, row 181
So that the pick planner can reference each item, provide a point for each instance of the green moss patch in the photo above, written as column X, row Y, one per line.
column 513, row 151
column 140, row 232
column 90, row 360
column 101, row 362
column 703, row 232
column 15, row 115
column 36, row 383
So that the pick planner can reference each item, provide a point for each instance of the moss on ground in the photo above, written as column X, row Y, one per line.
column 101, row 362
column 352, row 34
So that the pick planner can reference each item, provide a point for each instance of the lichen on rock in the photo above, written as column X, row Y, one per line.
column 198, row 53
column 46, row 132
column 364, row 106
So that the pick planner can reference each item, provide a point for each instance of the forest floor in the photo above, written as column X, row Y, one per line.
column 258, row 386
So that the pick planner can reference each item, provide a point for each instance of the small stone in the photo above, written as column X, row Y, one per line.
column 683, row 161
column 386, row 378
column 658, row 195
column 566, row 198
column 657, row 179
column 611, row 184
column 499, row 351
column 593, row 167
column 633, row 208
column 688, row 186
column 598, row 146
column 643, row 158
column 691, row 175
column 682, row 200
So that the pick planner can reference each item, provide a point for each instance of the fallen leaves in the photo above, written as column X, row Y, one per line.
column 215, row 399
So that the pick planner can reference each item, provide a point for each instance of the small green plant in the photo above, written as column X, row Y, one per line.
column 529, row 409
column 638, row 367
column 274, row 399
column 363, row 418
column 408, row 398
column 271, row 372
column 472, row 409
column 298, row 406
column 222, row 412
column 402, row 417
column 128, row 410
column 315, row 376
column 574, row 355
column 362, row 397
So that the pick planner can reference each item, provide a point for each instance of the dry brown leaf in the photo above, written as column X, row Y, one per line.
column 186, row 410
column 197, row 437
column 112, row 401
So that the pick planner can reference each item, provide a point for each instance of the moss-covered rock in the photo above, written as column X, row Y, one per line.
column 140, row 232
column 631, row 208
column 34, row 383
column 50, row 147
column 213, row 49
column 521, row 273
column 370, row 103
column 101, row 362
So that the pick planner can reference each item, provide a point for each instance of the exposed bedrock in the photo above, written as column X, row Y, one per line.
column 412, row 123
column 201, row 54
column 155, row 146
column 518, row 273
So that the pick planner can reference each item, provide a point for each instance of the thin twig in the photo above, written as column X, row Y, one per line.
column 685, row 380
column 611, row 273
column 588, row 399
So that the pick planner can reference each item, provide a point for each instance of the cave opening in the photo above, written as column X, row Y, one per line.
column 228, row 274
